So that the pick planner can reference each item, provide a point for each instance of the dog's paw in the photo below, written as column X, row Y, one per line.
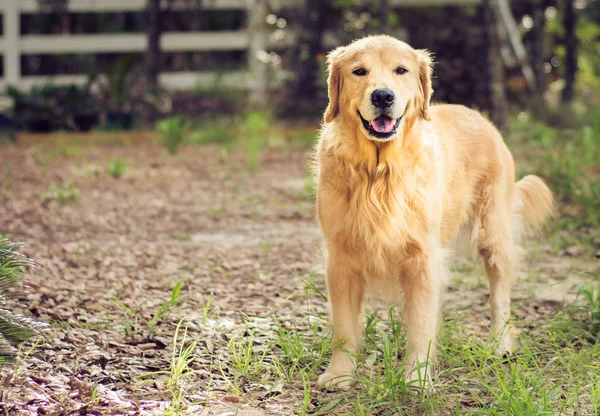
column 334, row 380
column 503, row 343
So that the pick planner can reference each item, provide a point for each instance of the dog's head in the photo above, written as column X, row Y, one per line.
column 379, row 82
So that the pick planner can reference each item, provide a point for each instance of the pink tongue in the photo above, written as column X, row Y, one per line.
column 382, row 124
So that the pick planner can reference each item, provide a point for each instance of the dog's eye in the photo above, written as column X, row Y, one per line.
column 361, row 72
column 401, row 70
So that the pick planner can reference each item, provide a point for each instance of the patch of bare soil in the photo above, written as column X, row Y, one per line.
column 109, row 260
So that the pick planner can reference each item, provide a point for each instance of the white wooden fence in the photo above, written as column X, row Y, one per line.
column 253, row 39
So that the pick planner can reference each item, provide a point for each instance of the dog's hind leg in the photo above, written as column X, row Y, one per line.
column 345, row 283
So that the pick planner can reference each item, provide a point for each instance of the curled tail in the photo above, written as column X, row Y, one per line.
column 533, row 205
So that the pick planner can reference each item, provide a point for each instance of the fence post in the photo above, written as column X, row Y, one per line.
column 12, row 32
column 256, row 10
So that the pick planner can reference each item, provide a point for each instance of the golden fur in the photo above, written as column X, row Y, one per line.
column 390, row 209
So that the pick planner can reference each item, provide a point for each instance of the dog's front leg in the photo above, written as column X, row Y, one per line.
column 346, row 297
column 422, row 286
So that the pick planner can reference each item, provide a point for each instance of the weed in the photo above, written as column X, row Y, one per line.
column 166, row 307
column 17, row 368
column 581, row 319
column 85, row 255
column 67, row 193
column 219, row 133
column 255, row 129
column 116, row 167
column 246, row 361
column 306, row 390
column 179, row 372
column 95, row 395
column 302, row 349
column 593, row 308
column 131, row 318
column 207, row 308
column 172, row 132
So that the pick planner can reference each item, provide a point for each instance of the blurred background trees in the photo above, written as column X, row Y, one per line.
column 496, row 55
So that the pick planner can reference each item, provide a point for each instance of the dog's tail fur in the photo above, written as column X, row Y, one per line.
column 533, row 205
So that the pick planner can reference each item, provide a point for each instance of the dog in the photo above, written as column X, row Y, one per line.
column 400, row 182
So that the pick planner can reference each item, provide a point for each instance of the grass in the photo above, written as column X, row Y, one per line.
column 554, row 371
column 251, row 134
column 131, row 315
column 179, row 373
column 166, row 307
column 569, row 159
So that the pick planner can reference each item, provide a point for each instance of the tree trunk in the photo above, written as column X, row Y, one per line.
column 538, row 42
column 153, row 51
column 571, row 44
column 307, row 89
column 384, row 12
column 498, row 107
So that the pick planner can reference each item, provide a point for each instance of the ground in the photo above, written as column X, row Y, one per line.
column 234, row 257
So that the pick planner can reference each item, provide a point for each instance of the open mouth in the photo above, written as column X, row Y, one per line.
column 383, row 127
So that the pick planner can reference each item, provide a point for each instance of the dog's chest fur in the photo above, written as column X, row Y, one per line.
column 386, row 216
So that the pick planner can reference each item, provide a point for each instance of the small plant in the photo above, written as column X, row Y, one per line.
column 130, row 320
column 67, row 193
column 14, row 328
column 245, row 359
column 166, row 307
column 179, row 373
column 255, row 129
column 593, row 308
column 173, row 132
column 116, row 167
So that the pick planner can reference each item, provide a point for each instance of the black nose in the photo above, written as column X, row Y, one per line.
column 382, row 98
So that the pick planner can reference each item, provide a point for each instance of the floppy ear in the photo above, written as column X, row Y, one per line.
column 334, row 83
column 425, row 66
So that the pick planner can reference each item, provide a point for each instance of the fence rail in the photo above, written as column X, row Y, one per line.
column 253, row 39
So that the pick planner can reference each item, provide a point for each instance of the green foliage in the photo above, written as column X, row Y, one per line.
column 116, row 167
column 54, row 107
column 581, row 318
column 121, row 79
column 214, row 132
column 179, row 373
column 166, row 307
column 255, row 130
column 592, row 308
column 67, row 193
column 173, row 131
column 569, row 159
column 14, row 328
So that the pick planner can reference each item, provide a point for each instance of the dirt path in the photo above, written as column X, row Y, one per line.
column 242, row 242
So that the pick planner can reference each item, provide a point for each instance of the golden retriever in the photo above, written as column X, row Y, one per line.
column 400, row 181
